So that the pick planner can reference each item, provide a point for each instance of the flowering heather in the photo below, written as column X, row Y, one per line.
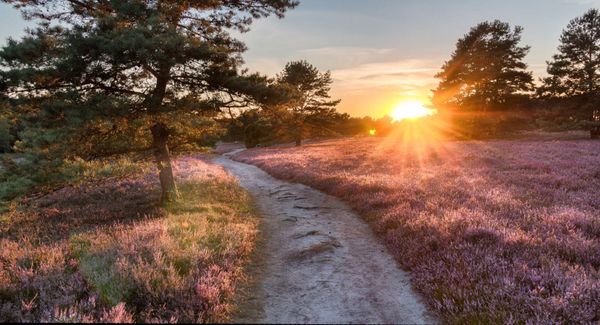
column 493, row 232
column 222, row 148
column 105, row 252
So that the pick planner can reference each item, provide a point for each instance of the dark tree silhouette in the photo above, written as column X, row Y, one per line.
column 485, row 70
column 575, row 70
column 134, row 60
column 311, row 106
column 7, row 138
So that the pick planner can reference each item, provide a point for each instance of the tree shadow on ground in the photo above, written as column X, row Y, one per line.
column 85, row 207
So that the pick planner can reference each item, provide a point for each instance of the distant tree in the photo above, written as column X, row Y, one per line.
column 575, row 70
column 485, row 71
column 254, row 127
column 311, row 107
column 134, row 64
column 347, row 125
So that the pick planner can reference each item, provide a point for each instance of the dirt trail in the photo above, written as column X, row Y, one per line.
column 322, row 263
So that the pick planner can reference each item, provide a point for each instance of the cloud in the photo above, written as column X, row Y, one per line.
column 411, row 73
column 370, row 87
column 376, row 87
column 324, row 58
column 345, row 56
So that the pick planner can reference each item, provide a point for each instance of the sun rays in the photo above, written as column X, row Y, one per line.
column 412, row 109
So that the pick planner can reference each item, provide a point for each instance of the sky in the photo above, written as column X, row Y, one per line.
column 383, row 52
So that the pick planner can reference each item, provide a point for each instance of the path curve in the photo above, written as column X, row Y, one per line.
column 322, row 263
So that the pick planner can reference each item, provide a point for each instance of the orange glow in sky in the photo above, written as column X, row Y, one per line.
column 411, row 110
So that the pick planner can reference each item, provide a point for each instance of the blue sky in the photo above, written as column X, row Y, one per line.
column 382, row 52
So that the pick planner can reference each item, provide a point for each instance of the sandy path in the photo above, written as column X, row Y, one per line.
column 322, row 263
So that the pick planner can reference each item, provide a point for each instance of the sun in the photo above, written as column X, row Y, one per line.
column 410, row 110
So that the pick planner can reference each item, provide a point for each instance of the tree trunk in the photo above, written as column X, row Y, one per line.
column 299, row 132
column 160, row 135
column 251, row 136
column 594, row 119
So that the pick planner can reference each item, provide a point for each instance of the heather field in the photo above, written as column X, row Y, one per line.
column 104, row 251
column 492, row 232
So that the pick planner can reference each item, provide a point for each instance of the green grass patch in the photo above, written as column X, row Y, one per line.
column 21, row 174
column 78, row 169
column 183, row 266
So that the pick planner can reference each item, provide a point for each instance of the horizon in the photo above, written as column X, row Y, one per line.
column 383, row 62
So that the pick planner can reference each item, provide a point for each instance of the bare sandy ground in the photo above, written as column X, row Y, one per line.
column 321, row 262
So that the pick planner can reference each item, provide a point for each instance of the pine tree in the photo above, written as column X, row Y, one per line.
column 90, row 62
column 575, row 70
column 311, row 107
column 485, row 70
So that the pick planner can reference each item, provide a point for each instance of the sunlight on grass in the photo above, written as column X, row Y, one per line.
column 179, row 267
column 518, row 219
column 19, row 179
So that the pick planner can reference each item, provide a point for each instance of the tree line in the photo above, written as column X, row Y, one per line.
column 485, row 90
column 486, row 77
column 99, row 78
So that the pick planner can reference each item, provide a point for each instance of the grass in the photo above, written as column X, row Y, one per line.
column 105, row 252
column 493, row 232
column 21, row 174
